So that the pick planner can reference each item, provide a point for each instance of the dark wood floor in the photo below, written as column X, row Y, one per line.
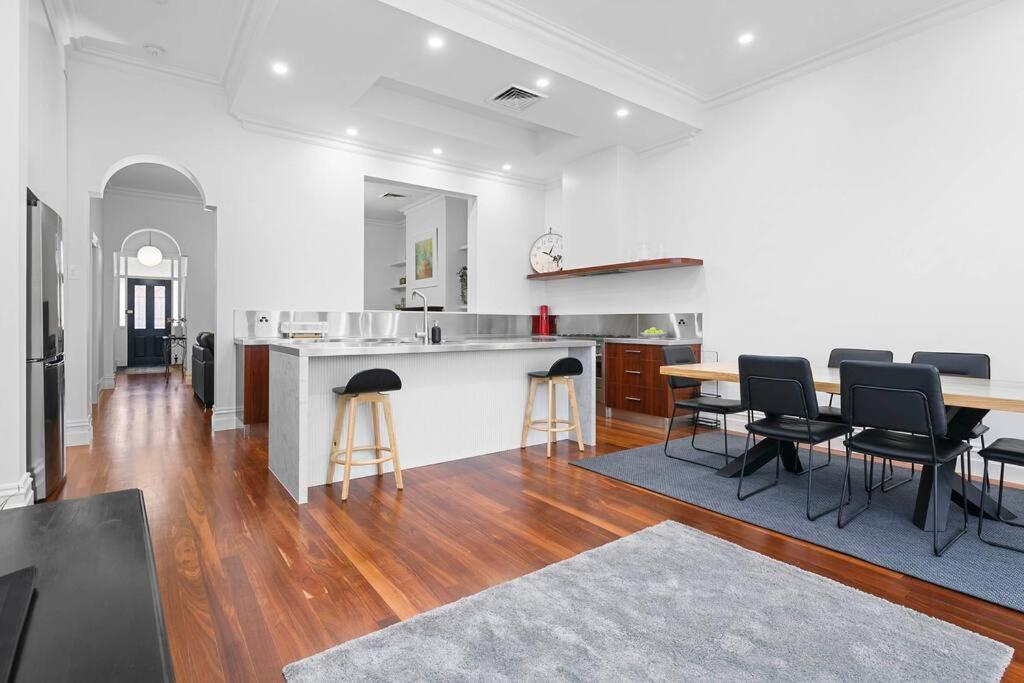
column 251, row 581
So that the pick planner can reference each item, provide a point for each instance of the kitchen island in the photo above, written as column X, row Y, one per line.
column 458, row 399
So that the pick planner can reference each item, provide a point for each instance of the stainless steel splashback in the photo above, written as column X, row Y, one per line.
column 372, row 324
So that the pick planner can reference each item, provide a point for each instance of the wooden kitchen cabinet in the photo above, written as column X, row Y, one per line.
column 256, row 385
column 633, row 381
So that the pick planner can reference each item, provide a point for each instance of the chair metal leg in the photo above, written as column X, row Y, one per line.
column 693, row 444
column 810, row 487
column 778, row 463
column 882, row 484
column 940, row 550
column 809, row 450
column 846, row 477
column 986, row 487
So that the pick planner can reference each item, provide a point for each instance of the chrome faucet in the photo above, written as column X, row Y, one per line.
column 426, row 332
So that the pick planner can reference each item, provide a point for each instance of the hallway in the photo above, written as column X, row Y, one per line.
column 250, row 583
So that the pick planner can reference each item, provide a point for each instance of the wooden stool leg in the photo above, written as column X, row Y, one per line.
column 336, row 443
column 531, row 394
column 374, row 409
column 392, row 442
column 353, row 402
column 571, row 386
column 551, row 414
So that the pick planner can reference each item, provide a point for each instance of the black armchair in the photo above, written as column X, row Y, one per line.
column 202, row 368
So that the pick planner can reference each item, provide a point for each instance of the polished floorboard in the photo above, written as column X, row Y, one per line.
column 250, row 581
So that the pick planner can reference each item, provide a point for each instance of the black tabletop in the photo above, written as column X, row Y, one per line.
column 97, row 613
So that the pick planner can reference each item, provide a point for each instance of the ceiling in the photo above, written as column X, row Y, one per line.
column 198, row 36
column 153, row 178
column 361, row 71
column 389, row 210
column 694, row 42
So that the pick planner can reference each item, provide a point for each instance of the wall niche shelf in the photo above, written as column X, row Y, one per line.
column 612, row 268
column 398, row 264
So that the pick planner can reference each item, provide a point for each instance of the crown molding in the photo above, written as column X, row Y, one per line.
column 361, row 147
column 80, row 50
column 423, row 203
column 517, row 18
column 890, row 34
column 251, row 28
column 153, row 194
column 378, row 223
column 668, row 145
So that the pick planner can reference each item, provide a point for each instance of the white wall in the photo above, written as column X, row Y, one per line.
column 195, row 231
column 289, row 214
column 384, row 245
column 424, row 221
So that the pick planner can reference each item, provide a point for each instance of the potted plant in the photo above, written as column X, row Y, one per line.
column 464, row 284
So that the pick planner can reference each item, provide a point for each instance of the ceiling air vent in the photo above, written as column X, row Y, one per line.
column 393, row 195
column 517, row 98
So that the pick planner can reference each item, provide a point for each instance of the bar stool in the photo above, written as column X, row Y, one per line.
column 561, row 372
column 365, row 387
column 1003, row 451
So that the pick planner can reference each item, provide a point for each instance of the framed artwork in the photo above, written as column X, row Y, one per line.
column 424, row 259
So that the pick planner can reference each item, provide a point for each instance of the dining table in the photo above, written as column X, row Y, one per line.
column 967, row 401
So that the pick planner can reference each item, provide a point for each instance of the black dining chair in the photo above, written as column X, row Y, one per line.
column 783, row 389
column 683, row 355
column 976, row 365
column 1004, row 451
column 899, row 408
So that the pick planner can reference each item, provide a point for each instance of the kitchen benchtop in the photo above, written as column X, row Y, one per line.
column 655, row 341
column 355, row 347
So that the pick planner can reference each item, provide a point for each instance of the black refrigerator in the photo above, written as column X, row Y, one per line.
column 45, row 348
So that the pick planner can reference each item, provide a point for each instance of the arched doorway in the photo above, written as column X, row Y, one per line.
column 156, row 279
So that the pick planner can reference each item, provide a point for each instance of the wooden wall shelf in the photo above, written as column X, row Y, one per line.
column 611, row 268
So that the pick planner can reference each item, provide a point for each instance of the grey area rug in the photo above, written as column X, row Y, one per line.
column 666, row 603
column 883, row 535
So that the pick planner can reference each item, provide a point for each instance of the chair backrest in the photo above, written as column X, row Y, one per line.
column 679, row 355
column 903, row 397
column 566, row 367
column 975, row 365
column 839, row 355
column 778, row 385
column 373, row 380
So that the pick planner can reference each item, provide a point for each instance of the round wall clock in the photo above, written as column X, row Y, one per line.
column 546, row 253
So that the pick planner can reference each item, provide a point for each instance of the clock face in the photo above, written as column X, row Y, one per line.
column 546, row 253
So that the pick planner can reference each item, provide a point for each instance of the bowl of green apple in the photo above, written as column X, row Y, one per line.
column 653, row 333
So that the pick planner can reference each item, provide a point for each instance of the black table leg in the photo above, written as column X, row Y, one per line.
column 960, row 422
column 923, row 505
column 761, row 454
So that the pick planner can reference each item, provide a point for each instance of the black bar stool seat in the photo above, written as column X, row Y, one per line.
column 367, row 386
column 1005, row 451
column 561, row 372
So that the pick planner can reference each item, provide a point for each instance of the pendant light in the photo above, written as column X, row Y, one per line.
column 149, row 255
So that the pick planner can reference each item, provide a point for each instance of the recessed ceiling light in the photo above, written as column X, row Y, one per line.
column 745, row 39
column 622, row 112
column 506, row 167
column 435, row 42
column 437, row 150
column 543, row 82
column 351, row 131
column 280, row 68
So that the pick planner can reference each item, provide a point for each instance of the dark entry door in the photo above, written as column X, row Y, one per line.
column 148, row 315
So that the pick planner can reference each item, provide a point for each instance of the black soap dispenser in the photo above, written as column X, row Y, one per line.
column 435, row 334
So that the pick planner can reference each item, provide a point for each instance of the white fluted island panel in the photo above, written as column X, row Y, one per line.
column 458, row 400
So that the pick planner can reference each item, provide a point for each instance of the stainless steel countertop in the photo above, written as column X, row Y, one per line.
column 355, row 347
column 654, row 341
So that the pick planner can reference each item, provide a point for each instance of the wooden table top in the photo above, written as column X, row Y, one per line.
column 964, row 392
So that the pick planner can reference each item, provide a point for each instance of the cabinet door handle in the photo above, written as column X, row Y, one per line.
column 632, row 372
column 632, row 398
column 632, row 351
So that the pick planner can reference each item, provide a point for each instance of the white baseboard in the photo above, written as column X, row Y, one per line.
column 107, row 382
column 78, row 432
column 17, row 494
column 226, row 418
